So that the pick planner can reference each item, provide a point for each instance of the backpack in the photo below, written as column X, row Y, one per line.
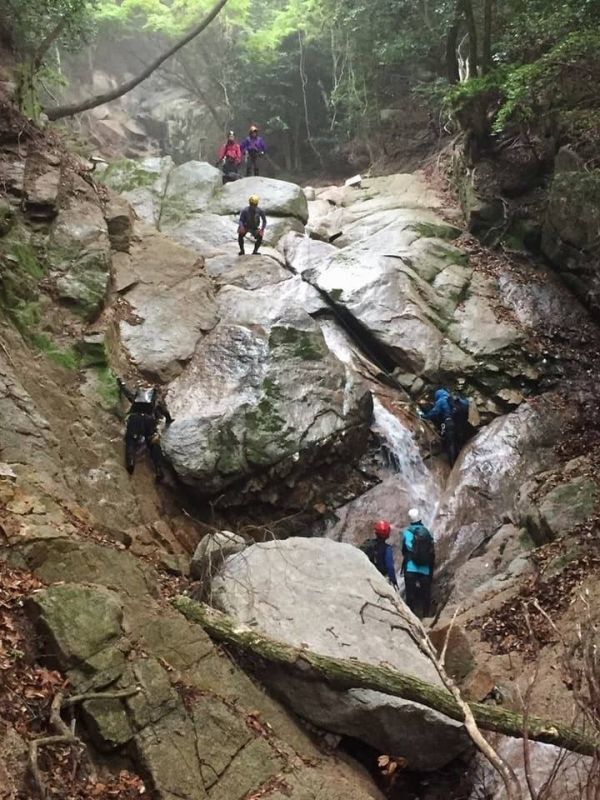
column 375, row 553
column 422, row 548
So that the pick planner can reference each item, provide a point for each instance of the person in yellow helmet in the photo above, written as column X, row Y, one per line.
column 252, row 221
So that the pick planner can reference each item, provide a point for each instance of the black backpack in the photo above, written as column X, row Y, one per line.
column 421, row 552
column 375, row 552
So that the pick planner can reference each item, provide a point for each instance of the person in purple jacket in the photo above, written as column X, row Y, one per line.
column 253, row 147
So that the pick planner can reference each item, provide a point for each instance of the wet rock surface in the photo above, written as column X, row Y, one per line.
column 328, row 597
column 269, row 365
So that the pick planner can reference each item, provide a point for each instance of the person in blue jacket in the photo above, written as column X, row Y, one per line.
column 451, row 415
column 380, row 553
column 418, row 552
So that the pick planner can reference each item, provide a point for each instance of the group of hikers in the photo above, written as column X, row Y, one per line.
column 231, row 155
column 252, row 219
column 418, row 560
column 450, row 412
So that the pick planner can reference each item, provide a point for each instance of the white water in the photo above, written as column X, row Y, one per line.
column 404, row 458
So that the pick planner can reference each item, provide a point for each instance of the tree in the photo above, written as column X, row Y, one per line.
column 34, row 29
column 59, row 112
column 352, row 674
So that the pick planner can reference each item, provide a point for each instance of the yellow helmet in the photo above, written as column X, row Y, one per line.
column 253, row 200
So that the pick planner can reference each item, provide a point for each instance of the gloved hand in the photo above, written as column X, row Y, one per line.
column 169, row 421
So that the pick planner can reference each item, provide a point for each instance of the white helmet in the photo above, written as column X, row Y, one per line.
column 413, row 514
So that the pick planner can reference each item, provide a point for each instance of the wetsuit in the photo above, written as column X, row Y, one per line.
column 142, row 425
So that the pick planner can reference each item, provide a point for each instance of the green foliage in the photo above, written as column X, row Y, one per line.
column 125, row 175
column 67, row 358
column 107, row 387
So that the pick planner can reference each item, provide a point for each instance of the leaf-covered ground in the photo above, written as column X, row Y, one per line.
column 26, row 692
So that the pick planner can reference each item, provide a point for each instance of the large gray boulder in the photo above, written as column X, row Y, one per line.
column 328, row 597
column 242, row 406
column 143, row 183
column 569, row 779
column 171, row 301
column 212, row 550
column 278, row 198
column 394, row 269
column 483, row 486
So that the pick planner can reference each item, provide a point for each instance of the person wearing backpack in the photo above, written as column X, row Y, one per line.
column 451, row 415
column 380, row 553
column 418, row 553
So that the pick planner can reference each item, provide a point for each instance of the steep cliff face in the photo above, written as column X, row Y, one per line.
column 292, row 378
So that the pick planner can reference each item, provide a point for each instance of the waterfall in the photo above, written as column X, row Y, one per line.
column 404, row 457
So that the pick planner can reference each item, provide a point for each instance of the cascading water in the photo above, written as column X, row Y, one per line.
column 403, row 457
column 405, row 481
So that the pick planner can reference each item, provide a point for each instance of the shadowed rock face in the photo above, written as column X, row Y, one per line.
column 328, row 596
column 396, row 273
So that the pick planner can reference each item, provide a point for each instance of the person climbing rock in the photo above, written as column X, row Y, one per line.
column 451, row 414
column 380, row 552
column 230, row 158
column 253, row 147
column 146, row 410
column 252, row 221
column 418, row 553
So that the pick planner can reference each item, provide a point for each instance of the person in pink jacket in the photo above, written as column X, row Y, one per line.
column 230, row 157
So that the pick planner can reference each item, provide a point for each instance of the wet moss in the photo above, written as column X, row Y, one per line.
column 126, row 175
column 67, row 358
column 107, row 386
column 174, row 210
column 294, row 343
column 429, row 230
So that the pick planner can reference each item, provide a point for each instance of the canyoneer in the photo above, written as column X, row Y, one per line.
column 418, row 553
column 230, row 159
column 253, row 147
column 252, row 221
column 380, row 553
column 145, row 413
column 451, row 414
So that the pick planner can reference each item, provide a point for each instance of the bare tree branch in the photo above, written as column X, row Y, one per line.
column 59, row 112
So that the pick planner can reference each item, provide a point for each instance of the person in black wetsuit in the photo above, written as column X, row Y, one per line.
column 146, row 411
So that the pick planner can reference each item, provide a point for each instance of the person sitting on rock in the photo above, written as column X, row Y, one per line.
column 418, row 553
column 252, row 221
column 146, row 410
column 380, row 553
column 451, row 415
column 253, row 147
column 230, row 158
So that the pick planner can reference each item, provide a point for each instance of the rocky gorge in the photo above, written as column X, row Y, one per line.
column 293, row 378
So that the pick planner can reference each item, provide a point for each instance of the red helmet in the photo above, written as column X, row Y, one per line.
column 382, row 529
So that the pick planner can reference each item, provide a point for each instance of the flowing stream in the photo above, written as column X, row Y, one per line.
column 404, row 458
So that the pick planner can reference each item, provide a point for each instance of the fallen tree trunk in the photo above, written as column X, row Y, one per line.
column 350, row 674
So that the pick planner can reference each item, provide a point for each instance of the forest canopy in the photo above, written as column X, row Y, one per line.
column 322, row 71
